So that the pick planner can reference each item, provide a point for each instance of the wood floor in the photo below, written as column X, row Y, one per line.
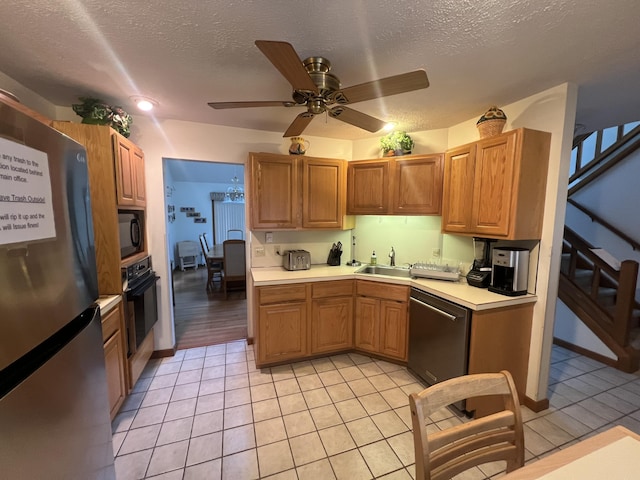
column 206, row 318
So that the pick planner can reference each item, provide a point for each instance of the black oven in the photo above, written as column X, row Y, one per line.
column 140, row 299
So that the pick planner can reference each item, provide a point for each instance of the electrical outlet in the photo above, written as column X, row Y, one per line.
column 268, row 237
column 435, row 253
column 276, row 249
column 258, row 252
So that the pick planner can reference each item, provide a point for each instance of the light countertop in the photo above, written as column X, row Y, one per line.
column 108, row 302
column 458, row 292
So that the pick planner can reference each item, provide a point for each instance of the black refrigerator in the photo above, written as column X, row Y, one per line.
column 54, row 413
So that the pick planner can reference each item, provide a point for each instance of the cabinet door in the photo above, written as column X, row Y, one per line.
column 140, row 195
column 283, row 332
column 323, row 191
column 417, row 185
column 125, row 181
column 393, row 329
column 494, row 185
column 368, row 186
column 331, row 324
column 457, row 203
column 274, row 192
column 114, row 363
column 367, row 324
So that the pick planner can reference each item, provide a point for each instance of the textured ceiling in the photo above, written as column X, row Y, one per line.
column 185, row 54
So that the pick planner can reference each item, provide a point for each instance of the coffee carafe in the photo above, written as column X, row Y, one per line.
column 480, row 273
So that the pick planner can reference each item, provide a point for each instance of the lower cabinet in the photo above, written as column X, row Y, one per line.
column 300, row 320
column 331, row 316
column 381, row 319
column 114, row 357
column 282, row 323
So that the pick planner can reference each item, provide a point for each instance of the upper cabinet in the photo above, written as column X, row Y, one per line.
column 495, row 187
column 129, row 163
column 290, row 193
column 407, row 185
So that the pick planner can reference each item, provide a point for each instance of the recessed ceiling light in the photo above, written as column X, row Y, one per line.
column 144, row 103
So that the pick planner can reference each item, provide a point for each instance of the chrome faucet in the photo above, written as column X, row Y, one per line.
column 392, row 256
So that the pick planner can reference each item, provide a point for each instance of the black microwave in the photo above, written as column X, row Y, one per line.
column 131, row 225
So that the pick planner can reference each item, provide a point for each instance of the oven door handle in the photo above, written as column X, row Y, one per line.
column 435, row 309
column 140, row 289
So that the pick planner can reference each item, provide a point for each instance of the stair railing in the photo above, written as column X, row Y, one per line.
column 588, row 167
column 617, row 321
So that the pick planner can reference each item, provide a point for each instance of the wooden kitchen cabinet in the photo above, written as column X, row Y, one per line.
column 381, row 319
column 282, row 323
column 104, row 170
column 405, row 185
column 500, row 340
column 129, row 164
column 331, row 320
column 290, row 193
column 368, row 189
column 113, row 336
column 495, row 187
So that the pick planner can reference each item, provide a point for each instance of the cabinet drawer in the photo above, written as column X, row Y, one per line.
column 399, row 293
column 110, row 323
column 332, row 289
column 282, row 293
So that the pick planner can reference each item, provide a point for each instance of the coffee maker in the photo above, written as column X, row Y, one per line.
column 480, row 273
column 510, row 271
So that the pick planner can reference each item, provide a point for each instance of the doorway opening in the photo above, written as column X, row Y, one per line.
column 202, row 317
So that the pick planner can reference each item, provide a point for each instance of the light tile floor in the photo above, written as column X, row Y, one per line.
column 207, row 413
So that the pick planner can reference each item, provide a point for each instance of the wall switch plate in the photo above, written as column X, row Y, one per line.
column 268, row 237
column 435, row 253
column 258, row 252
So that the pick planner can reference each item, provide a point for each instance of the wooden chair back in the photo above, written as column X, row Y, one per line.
column 235, row 234
column 234, row 264
column 449, row 452
column 206, row 241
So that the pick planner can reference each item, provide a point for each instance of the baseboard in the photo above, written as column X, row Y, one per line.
column 587, row 353
column 249, row 340
column 167, row 352
column 536, row 405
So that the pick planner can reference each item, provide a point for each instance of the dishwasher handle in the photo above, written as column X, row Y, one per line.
column 435, row 309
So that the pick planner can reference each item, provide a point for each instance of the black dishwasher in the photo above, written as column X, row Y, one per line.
column 438, row 338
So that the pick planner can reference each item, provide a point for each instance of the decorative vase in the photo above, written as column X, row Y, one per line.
column 491, row 122
column 298, row 146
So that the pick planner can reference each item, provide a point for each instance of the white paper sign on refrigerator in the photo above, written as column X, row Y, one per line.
column 26, row 209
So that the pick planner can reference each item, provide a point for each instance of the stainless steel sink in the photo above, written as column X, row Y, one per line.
column 383, row 270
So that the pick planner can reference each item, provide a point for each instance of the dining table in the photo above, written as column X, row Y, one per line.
column 612, row 454
column 216, row 253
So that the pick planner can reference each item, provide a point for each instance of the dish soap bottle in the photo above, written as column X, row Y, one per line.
column 374, row 259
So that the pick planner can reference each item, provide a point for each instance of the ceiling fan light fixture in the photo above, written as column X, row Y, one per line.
column 389, row 126
column 145, row 104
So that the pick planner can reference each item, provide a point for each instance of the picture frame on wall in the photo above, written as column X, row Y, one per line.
column 200, row 220
column 193, row 214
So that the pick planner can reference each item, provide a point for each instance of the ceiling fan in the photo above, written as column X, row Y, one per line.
column 317, row 89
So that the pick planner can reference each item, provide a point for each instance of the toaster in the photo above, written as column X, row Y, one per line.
column 297, row 260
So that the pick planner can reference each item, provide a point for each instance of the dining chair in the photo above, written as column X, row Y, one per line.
column 234, row 266
column 213, row 268
column 206, row 241
column 444, row 454
column 235, row 234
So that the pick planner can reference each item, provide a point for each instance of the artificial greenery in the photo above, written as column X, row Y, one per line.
column 396, row 142
column 96, row 112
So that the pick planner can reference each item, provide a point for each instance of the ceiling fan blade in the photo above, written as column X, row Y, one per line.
column 221, row 105
column 286, row 60
column 405, row 82
column 298, row 125
column 358, row 119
